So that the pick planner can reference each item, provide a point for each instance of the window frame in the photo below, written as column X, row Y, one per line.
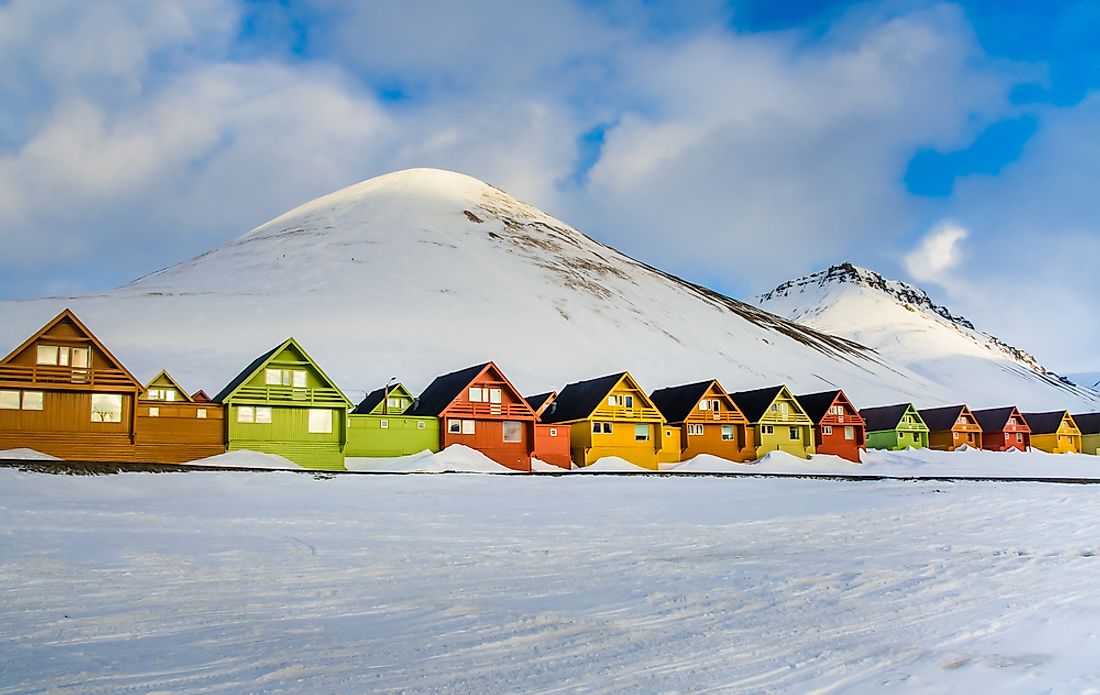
column 517, row 428
column 114, row 398
column 314, row 426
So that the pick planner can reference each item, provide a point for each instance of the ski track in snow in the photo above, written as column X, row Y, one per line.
column 234, row 582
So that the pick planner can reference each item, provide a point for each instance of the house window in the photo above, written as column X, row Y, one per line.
column 727, row 433
column 795, row 434
column 320, row 421
column 641, row 433
column 468, row 427
column 285, row 377
column 396, row 403
column 32, row 400
column 200, row 413
column 1011, row 421
column 826, row 430
column 837, row 410
column 601, row 427
column 106, row 407
column 154, row 412
column 420, row 425
column 612, row 400
column 454, row 426
column 954, row 435
column 384, row 424
column 513, row 431
column 849, row 433
column 961, row 420
column 767, row 429
column 53, row 355
column 9, row 400
column 480, row 394
column 246, row 413
column 695, row 430
column 704, row 404
column 628, row 401
column 1019, row 438
column 553, row 431
column 263, row 415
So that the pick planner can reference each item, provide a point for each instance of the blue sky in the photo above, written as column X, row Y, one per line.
column 735, row 143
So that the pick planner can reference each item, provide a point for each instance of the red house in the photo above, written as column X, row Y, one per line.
column 551, row 441
column 839, row 429
column 1003, row 429
column 479, row 408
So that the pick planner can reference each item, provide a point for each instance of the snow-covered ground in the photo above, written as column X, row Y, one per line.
column 235, row 582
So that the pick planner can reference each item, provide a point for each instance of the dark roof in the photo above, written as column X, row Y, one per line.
column 753, row 404
column 370, row 401
column 442, row 392
column 245, row 373
column 941, row 419
column 677, row 402
column 884, row 417
column 1088, row 423
column 577, row 400
column 817, row 405
column 1044, row 423
column 200, row 396
column 536, row 401
column 993, row 419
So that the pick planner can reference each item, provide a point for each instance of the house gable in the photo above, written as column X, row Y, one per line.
column 626, row 400
column 162, row 385
column 820, row 407
column 695, row 403
column 775, row 405
column 285, row 375
column 394, row 400
column 75, row 359
column 901, row 417
column 478, row 391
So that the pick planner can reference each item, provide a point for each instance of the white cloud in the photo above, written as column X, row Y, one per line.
column 938, row 255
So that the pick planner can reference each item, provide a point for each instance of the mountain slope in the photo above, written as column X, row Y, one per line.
column 420, row 272
column 908, row 329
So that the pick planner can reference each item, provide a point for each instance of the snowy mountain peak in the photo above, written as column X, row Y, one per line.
column 849, row 273
column 903, row 324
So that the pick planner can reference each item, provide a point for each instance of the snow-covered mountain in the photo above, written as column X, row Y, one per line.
column 420, row 272
column 907, row 328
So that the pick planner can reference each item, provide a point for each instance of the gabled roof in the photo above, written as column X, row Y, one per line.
column 942, row 419
column 1045, row 423
column 994, row 419
column 67, row 314
column 884, row 417
column 579, row 400
column 677, row 402
column 444, row 389
column 755, row 403
column 201, row 396
column 373, row 399
column 262, row 361
column 1088, row 423
column 167, row 377
column 539, row 400
column 817, row 405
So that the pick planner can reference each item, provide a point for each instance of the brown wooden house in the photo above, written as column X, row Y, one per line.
column 951, row 427
column 839, row 429
column 479, row 408
column 1003, row 429
column 63, row 393
column 708, row 419
column 172, row 427
column 551, row 441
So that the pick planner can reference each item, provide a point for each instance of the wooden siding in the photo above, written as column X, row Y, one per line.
column 177, row 434
column 792, row 430
column 911, row 433
column 741, row 448
column 552, row 445
column 831, row 434
column 64, row 428
column 401, row 435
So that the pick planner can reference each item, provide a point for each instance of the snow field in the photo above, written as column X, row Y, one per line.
column 232, row 582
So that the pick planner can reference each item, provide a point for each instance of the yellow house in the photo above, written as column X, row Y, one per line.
column 613, row 416
column 1089, row 424
column 1054, row 432
column 778, row 421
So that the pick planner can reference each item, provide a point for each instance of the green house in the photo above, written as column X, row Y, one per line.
column 895, row 427
column 379, row 427
column 284, row 404
column 778, row 421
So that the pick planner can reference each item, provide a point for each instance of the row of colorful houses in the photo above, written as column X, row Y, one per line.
column 64, row 393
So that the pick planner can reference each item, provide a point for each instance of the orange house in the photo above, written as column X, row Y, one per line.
column 551, row 441
column 479, row 408
column 63, row 393
column 708, row 419
column 172, row 427
column 952, row 427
